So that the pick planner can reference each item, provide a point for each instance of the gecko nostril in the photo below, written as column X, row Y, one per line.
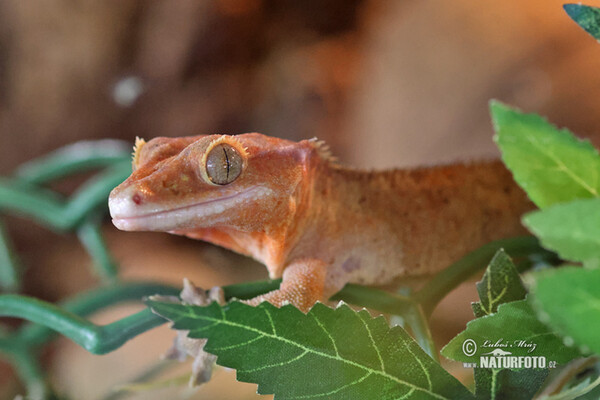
column 137, row 199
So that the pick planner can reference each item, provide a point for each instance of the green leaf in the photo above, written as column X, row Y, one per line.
column 586, row 17
column 571, row 229
column 586, row 389
column 550, row 164
column 500, row 284
column 325, row 354
column 512, row 324
column 568, row 299
column 508, row 384
column 478, row 311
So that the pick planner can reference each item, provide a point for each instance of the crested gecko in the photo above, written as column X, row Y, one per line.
column 311, row 221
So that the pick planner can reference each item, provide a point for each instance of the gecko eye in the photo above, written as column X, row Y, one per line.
column 223, row 164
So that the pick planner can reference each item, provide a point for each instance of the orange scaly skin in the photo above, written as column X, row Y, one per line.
column 314, row 223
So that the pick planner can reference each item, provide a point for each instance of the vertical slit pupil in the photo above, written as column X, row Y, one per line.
column 226, row 163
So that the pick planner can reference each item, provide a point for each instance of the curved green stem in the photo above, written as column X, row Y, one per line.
column 248, row 290
column 94, row 338
column 26, row 367
column 20, row 346
column 41, row 204
column 444, row 282
column 90, row 235
column 149, row 374
column 417, row 321
column 82, row 305
column 46, row 207
column 93, row 193
column 375, row 299
column 10, row 278
column 77, row 157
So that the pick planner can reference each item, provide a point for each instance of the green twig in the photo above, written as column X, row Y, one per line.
column 375, row 299
column 444, row 282
column 152, row 372
column 93, row 193
column 248, row 290
column 26, row 367
column 21, row 346
column 94, row 338
column 77, row 157
column 417, row 321
column 46, row 207
column 10, row 278
column 24, row 200
column 85, row 304
column 90, row 235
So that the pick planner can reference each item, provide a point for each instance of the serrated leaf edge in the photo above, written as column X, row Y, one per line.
column 369, row 371
column 495, row 315
column 546, row 319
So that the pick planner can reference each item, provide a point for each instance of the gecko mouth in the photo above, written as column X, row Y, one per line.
column 124, row 216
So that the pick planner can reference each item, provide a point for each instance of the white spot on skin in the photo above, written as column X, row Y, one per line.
column 568, row 341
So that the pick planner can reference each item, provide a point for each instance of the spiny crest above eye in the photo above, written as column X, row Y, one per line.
column 323, row 150
column 139, row 143
column 230, row 140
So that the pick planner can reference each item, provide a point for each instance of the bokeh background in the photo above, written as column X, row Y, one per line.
column 385, row 83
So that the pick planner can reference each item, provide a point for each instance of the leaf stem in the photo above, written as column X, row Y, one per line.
column 48, row 208
column 94, row 338
column 67, row 320
column 375, row 299
column 248, row 290
column 417, row 321
column 90, row 235
column 77, row 157
column 444, row 282
column 10, row 278
column 26, row 367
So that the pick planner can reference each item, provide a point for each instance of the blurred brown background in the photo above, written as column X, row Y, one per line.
column 386, row 83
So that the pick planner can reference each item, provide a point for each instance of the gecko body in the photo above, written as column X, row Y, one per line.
column 309, row 220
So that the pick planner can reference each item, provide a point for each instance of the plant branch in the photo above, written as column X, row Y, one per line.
column 94, row 338
column 26, row 367
column 77, row 157
column 10, row 278
column 448, row 279
column 67, row 320
column 90, row 235
column 48, row 208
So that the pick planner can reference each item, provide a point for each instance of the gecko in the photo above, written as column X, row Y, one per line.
column 311, row 221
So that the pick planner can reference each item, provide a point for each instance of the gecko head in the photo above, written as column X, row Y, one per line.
column 248, row 182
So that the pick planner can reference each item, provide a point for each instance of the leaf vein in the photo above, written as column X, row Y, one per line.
column 337, row 353
column 280, row 364
column 334, row 391
column 562, row 166
column 235, row 346
column 382, row 366
column 429, row 383
column 325, row 355
column 407, row 395
column 273, row 330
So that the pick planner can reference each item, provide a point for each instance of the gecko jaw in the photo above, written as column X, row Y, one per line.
column 125, row 217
